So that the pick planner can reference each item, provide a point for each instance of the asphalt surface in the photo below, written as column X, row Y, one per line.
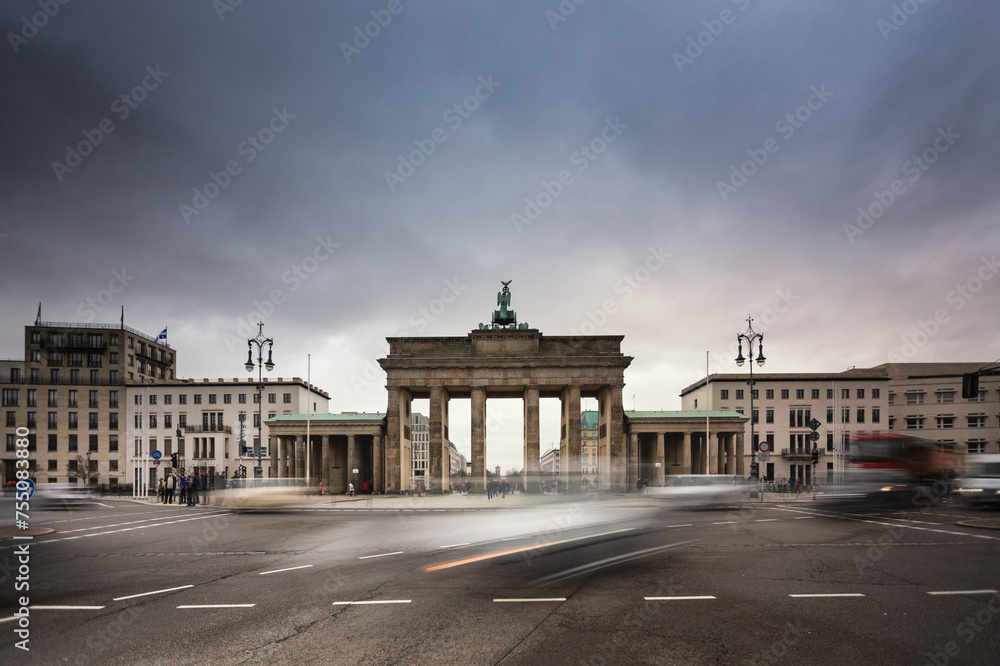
column 522, row 580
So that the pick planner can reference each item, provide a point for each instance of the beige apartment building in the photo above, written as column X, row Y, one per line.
column 921, row 398
column 69, row 392
column 212, row 425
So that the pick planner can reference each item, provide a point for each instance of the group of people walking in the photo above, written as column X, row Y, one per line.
column 191, row 489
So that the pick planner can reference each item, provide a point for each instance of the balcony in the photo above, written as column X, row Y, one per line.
column 197, row 428
column 795, row 455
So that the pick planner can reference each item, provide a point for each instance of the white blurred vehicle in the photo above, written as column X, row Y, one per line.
column 981, row 482
column 706, row 490
column 61, row 495
column 263, row 494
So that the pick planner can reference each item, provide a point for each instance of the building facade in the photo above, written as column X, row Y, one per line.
column 69, row 393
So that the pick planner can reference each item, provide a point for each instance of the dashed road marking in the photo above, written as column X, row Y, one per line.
column 146, row 594
column 368, row 557
column 304, row 566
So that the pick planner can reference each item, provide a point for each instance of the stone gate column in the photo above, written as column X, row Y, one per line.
column 740, row 463
column 325, row 458
column 272, row 452
column 378, row 455
column 300, row 456
column 353, row 462
column 632, row 474
column 616, row 437
column 569, row 447
column 661, row 458
column 686, row 454
column 478, row 479
column 532, row 467
column 397, row 429
column 437, row 441
column 720, row 453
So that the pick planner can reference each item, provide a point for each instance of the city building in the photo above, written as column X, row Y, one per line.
column 419, row 443
column 588, row 449
column 69, row 392
column 211, row 424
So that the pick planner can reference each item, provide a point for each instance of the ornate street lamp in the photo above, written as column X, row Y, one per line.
column 749, row 337
column 260, row 341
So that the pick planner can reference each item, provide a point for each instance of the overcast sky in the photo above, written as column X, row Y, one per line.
column 355, row 170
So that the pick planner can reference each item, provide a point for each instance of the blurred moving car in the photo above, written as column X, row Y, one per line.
column 263, row 494
column 61, row 495
column 981, row 481
column 704, row 490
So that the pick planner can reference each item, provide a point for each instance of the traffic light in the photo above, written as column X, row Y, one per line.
column 173, row 460
column 970, row 385
column 815, row 459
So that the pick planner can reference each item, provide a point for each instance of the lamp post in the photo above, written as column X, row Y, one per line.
column 260, row 341
column 749, row 337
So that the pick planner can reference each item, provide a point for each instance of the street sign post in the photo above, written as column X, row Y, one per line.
column 764, row 447
column 764, row 456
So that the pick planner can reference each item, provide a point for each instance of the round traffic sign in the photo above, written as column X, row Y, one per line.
column 157, row 455
column 764, row 447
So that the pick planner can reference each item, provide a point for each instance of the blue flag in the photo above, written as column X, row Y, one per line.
column 162, row 337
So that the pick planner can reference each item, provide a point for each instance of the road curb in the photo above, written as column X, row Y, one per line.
column 981, row 523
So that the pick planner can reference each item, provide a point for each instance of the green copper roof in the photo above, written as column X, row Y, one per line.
column 686, row 414
column 588, row 420
column 349, row 416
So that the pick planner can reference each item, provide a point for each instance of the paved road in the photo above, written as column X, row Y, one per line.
column 529, row 581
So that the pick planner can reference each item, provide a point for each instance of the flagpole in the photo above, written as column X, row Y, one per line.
column 308, row 411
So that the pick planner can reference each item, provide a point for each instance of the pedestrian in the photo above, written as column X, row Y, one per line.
column 160, row 491
column 192, row 490
column 182, row 494
column 350, row 489
column 322, row 488
column 170, row 485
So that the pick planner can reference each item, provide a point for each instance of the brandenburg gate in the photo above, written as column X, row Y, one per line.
column 505, row 359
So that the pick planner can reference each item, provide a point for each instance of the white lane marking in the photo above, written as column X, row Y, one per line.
column 218, row 606
column 116, row 515
column 964, row 592
column 65, row 607
column 909, row 527
column 455, row 545
column 131, row 522
column 9, row 619
column 804, row 518
column 727, row 522
column 766, row 520
column 693, row 598
column 683, row 525
column 832, row 594
column 106, row 506
column 504, row 601
column 368, row 557
column 369, row 603
column 146, row 594
column 304, row 566
column 129, row 529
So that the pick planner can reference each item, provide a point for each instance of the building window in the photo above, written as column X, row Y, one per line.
column 256, row 420
column 756, row 416
column 739, row 394
column 11, row 419
column 914, row 398
column 197, row 398
column 36, row 337
column 53, row 465
column 845, row 394
column 168, row 399
column 860, row 394
column 876, row 393
column 112, row 465
column 829, row 441
column 723, row 394
column 113, row 421
column 227, row 398
column 945, row 422
column 861, row 415
column 784, row 394
column 945, row 396
column 914, row 422
column 113, row 399
column 272, row 398
column 981, row 397
column 152, row 420
column 53, row 443
column 287, row 398
column 32, row 397
column 113, row 445
column 53, row 420
column 92, row 420
column 845, row 415
column 829, row 394
column 10, row 398
column 976, row 445
column 114, row 377
column 182, row 421
column 876, row 414
column 92, row 444
column 152, row 399
column 829, row 414
column 32, row 420
column 977, row 421
column 769, row 415
column 211, row 398
column 72, row 444
column 74, row 376
column 814, row 394
column 92, row 403
column 72, row 466
column 800, row 394
column 72, row 420
column 94, row 360
column 113, row 358
column 53, row 398
column 168, row 421
column 769, row 394
column 182, row 399
column 36, row 375
column 243, row 398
